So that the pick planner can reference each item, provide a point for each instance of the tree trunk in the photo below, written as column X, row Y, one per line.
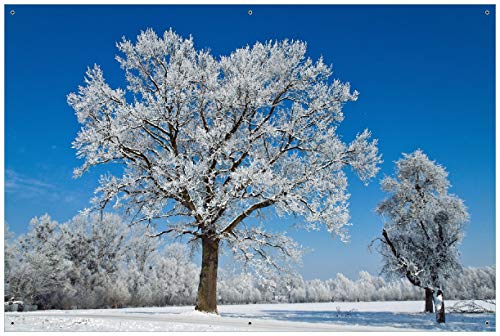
column 429, row 305
column 439, row 306
column 206, row 301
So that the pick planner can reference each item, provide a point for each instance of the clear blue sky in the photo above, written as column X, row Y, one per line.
column 425, row 75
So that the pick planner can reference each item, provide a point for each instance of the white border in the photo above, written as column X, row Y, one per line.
column 233, row 2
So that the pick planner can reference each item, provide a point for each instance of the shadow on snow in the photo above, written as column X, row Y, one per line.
column 454, row 322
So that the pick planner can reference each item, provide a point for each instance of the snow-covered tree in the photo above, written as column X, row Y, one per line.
column 175, row 276
column 40, row 271
column 295, row 287
column 473, row 283
column 142, row 255
column 96, row 246
column 317, row 291
column 423, row 226
column 239, row 288
column 344, row 288
column 9, row 258
column 207, row 142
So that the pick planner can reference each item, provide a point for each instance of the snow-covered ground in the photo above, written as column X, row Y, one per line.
column 331, row 316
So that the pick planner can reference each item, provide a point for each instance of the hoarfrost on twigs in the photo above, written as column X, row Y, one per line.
column 207, row 142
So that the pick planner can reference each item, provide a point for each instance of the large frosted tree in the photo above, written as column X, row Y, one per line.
column 208, row 142
column 423, row 226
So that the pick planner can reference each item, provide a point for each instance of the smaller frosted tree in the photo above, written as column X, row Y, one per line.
column 423, row 226
column 96, row 246
column 39, row 271
column 9, row 258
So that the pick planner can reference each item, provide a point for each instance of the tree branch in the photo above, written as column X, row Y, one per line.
column 247, row 213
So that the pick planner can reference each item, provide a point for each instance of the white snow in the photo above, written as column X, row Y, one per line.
column 331, row 316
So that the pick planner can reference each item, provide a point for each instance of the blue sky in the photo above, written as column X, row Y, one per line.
column 426, row 77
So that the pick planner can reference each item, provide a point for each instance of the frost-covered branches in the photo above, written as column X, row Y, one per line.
column 252, row 244
column 95, row 262
column 38, row 269
column 423, row 225
column 207, row 143
column 210, row 141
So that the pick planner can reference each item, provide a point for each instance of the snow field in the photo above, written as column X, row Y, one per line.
column 331, row 316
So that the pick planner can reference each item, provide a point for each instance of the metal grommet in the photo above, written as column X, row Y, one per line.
column 250, row 12
column 12, row 12
column 487, row 12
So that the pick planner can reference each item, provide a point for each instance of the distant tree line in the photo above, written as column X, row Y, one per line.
column 474, row 283
column 99, row 261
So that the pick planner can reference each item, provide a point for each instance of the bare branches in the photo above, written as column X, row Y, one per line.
column 177, row 231
column 473, row 307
